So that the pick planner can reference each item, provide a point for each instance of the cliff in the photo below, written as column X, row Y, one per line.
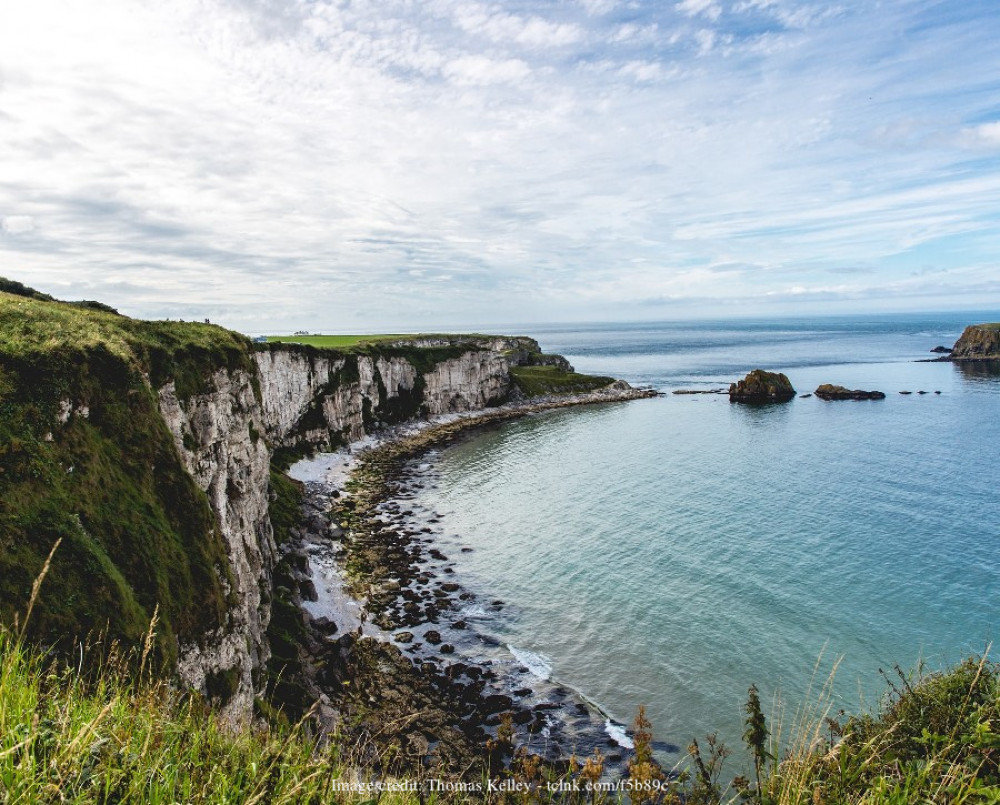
column 978, row 342
column 147, row 447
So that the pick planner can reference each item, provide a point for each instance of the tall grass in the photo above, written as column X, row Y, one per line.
column 119, row 735
column 935, row 738
column 111, row 732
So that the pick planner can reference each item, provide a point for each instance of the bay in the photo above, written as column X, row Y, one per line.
column 670, row 552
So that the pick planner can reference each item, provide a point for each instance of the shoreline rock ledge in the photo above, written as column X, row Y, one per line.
column 828, row 391
column 760, row 387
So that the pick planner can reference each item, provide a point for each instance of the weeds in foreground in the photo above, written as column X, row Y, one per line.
column 120, row 735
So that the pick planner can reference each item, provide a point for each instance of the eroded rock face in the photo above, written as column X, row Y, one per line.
column 219, row 437
column 828, row 391
column 978, row 342
column 762, row 387
column 475, row 380
column 324, row 402
column 289, row 383
column 295, row 396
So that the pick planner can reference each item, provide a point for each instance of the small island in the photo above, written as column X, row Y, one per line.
column 760, row 387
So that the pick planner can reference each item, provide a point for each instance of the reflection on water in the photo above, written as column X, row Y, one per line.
column 979, row 371
column 762, row 415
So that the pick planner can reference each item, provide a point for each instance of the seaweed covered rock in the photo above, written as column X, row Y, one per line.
column 830, row 392
column 762, row 387
column 978, row 342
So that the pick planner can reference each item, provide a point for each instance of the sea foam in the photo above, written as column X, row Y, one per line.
column 539, row 665
column 618, row 735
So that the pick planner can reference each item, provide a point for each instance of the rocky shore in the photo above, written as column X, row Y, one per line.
column 395, row 655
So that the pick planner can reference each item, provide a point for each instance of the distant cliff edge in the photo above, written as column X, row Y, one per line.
column 978, row 342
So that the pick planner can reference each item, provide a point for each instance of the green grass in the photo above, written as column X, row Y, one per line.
column 109, row 738
column 117, row 734
column 536, row 381
column 60, row 333
column 108, row 481
column 935, row 738
column 333, row 341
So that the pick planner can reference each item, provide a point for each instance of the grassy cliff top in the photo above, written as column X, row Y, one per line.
column 86, row 458
column 33, row 325
column 334, row 341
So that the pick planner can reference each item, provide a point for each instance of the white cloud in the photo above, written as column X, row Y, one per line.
column 985, row 135
column 327, row 165
column 17, row 224
column 468, row 70
column 599, row 7
column 705, row 37
column 532, row 31
column 693, row 8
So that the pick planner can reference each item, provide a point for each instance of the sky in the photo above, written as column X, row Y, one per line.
column 395, row 165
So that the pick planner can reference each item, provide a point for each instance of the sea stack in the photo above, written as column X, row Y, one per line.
column 762, row 387
column 979, row 342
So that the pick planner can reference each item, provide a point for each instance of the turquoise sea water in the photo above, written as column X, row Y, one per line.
column 672, row 551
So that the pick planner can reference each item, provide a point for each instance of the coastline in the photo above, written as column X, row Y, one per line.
column 389, row 614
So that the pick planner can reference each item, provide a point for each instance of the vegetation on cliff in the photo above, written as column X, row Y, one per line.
column 540, row 381
column 117, row 734
column 978, row 342
column 86, row 457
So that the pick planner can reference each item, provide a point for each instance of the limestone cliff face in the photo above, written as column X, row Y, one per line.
column 289, row 397
column 978, row 342
column 474, row 380
column 219, row 437
column 290, row 383
column 324, row 401
column 224, row 436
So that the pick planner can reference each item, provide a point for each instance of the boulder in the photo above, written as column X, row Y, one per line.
column 762, row 387
column 830, row 392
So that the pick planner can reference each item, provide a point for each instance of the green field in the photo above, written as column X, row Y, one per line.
column 334, row 341
column 536, row 381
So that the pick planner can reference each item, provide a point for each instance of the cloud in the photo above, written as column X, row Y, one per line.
column 17, row 224
column 470, row 70
column 694, row 8
column 985, row 135
column 328, row 165
column 531, row 31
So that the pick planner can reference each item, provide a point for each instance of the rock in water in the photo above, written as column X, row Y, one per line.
column 978, row 342
column 762, row 387
column 830, row 392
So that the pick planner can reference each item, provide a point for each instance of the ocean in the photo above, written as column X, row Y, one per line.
column 671, row 552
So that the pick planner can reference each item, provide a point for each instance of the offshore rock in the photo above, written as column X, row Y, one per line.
column 830, row 392
column 762, row 387
column 979, row 342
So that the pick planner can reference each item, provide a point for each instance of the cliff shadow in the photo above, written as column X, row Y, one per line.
column 979, row 372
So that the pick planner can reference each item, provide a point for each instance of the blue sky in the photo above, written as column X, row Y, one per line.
column 394, row 164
